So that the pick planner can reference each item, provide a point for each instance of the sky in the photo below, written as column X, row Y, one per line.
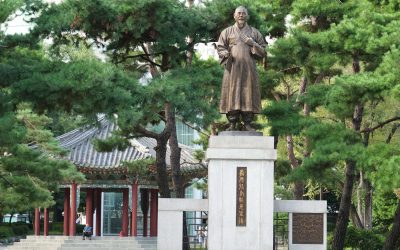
column 16, row 26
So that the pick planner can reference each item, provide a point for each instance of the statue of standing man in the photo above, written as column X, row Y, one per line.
column 239, row 46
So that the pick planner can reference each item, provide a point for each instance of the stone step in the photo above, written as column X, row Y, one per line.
column 116, row 244
column 30, row 237
column 104, row 248
column 42, row 247
column 75, row 248
column 76, row 242
column 67, row 247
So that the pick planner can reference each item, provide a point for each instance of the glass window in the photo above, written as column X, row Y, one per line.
column 112, row 213
column 184, row 133
column 189, row 192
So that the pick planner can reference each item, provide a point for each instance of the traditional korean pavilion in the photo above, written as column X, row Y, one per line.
column 116, row 202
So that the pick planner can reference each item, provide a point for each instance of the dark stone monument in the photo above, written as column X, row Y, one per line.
column 307, row 228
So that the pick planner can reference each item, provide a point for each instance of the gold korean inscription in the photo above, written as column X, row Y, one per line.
column 241, row 194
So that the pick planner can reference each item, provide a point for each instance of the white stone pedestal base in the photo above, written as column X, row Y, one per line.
column 225, row 155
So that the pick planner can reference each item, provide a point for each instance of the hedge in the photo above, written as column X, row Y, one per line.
column 6, row 232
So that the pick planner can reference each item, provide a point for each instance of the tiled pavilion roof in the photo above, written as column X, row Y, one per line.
column 83, row 154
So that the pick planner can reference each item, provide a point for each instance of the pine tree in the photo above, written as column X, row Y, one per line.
column 30, row 169
column 337, row 50
column 136, row 37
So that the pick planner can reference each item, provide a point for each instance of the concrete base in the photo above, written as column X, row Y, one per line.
column 225, row 155
column 170, row 220
column 298, row 206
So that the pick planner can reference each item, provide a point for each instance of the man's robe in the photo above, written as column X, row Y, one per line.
column 240, row 85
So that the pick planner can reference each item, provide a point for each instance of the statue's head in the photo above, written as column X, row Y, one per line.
column 241, row 16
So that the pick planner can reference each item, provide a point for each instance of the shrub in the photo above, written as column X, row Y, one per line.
column 57, row 227
column 363, row 239
column 20, row 229
column 6, row 232
column 20, row 223
column 29, row 225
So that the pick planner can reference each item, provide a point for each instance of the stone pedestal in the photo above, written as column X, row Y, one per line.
column 227, row 153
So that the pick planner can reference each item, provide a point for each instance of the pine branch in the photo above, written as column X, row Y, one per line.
column 380, row 125
column 392, row 132
column 147, row 56
column 195, row 128
column 28, row 123
column 33, row 181
column 276, row 96
column 290, row 68
column 146, row 132
column 9, row 183
column 142, row 56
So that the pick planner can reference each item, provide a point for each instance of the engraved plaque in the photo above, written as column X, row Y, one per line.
column 241, row 196
column 307, row 228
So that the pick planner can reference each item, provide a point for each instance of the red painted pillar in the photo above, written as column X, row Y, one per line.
column 89, row 207
column 153, row 212
column 37, row 221
column 72, row 220
column 98, row 211
column 66, row 212
column 125, row 216
column 46, row 222
column 134, row 209
column 144, row 195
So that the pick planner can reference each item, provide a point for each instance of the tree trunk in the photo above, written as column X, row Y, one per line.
column 276, row 141
column 368, row 205
column 162, row 138
column 345, row 205
column 367, row 186
column 175, row 157
column 364, row 203
column 177, row 179
column 394, row 235
column 162, row 177
column 354, row 217
column 393, row 239
column 161, row 154
column 345, row 202
column 360, row 200
column 11, row 216
column 298, row 185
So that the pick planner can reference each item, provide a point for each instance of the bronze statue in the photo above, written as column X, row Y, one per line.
column 238, row 48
